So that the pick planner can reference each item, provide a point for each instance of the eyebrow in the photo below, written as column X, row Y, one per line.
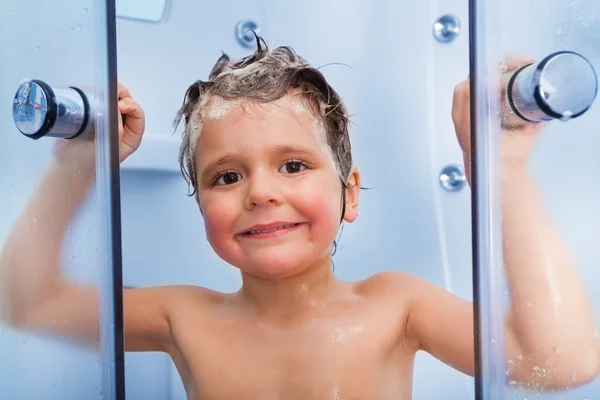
column 210, row 167
column 285, row 149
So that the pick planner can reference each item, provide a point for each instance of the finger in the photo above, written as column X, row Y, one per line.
column 135, row 121
column 132, row 135
column 121, row 126
column 122, row 91
column 121, row 120
column 131, row 108
column 459, row 102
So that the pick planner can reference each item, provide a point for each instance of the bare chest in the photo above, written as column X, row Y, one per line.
column 351, row 358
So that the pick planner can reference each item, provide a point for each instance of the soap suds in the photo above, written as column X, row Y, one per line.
column 196, row 124
column 343, row 334
column 319, row 130
column 302, row 289
column 246, row 70
column 217, row 108
column 336, row 393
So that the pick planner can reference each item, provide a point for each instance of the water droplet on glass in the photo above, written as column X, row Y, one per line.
column 78, row 26
column 37, row 48
column 85, row 11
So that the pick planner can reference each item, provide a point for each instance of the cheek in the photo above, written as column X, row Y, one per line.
column 219, row 217
column 321, row 204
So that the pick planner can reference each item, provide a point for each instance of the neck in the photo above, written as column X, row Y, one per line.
column 294, row 296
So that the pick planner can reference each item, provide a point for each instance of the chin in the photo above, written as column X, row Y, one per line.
column 276, row 264
column 273, row 268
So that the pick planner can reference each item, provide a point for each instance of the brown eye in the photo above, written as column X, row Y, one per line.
column 228, row 178
column 292, row 167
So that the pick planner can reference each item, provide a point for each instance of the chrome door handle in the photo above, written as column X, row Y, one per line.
column 561, row 86
column 41, row 110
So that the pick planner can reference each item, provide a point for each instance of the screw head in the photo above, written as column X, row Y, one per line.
column 446, row 28
column 453, row 178
column 243, row 32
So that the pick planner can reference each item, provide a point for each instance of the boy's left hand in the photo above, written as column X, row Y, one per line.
column 518, row 136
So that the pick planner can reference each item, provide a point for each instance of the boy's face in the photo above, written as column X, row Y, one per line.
column 263, row 167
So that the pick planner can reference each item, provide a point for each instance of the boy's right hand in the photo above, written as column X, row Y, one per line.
column 131, row 132
column 80, row 152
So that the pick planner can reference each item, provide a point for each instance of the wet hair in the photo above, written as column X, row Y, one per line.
column 262, row 77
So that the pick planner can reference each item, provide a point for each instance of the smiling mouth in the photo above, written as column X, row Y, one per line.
column 271, row 230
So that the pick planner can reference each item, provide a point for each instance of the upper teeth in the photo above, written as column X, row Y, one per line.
column 270, row 230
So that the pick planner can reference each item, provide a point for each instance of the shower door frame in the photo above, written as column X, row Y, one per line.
column 108, row 176
column 486, row 247
column 485, row 210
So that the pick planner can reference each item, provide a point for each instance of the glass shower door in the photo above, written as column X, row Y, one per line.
column 60, row 271
column 536, row 197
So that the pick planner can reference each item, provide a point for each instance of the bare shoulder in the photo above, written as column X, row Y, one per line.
column 393, row 283
column 392, row 291
column 171, row 297
column 394, row 294
column 187, row 293
column 196, row 299
column 409, row 291
column 182, row 300
column 149, row 313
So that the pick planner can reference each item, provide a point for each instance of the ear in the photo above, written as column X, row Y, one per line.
column 352, row 189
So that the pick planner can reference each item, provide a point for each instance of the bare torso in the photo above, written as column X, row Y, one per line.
column 350, row 348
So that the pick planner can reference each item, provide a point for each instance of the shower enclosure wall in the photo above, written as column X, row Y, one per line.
column 563, row 36
column 395, row 64
column 65, row 44
column 397, row 80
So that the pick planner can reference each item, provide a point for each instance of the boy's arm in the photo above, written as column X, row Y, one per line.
column 550, row 333
column 551, row 336
column 35, row 294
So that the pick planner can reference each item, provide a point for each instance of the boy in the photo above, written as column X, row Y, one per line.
column 267, row 155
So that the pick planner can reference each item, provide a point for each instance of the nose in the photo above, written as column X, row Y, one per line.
column 263, row 191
